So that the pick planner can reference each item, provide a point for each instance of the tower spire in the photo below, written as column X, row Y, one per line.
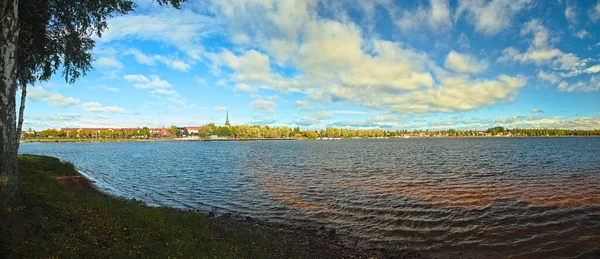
column 227, row 118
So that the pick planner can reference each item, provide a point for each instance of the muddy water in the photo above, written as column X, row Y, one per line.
column 520, row 198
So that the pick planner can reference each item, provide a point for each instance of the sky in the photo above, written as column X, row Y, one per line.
column 431, row 64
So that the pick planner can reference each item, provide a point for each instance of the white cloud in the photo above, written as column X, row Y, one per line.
column 457, row 94
column 580, row 86
column 263, row 105
column 541, row 53
column 38, row 94
column 151, row 60
column 136, row 78
column 180, row 65
column 181, row 28
column 142, row 58
column 491, row 17
column 254, row 69
column 155, row 86
column 593, row 69
column 142, row 82
column 314, row 118
column 541, row 122
column 303, row 105
column 594, row 12
column 348, row 112
column 463, row 41
column 537, row 111
column 436, row 16
column 332, row 62
column 107, row 62
column 549, row 77
column 581, row 34
column 97, row 107
column 220, row 108
column 464, row 63
column 245, row 88
column 571, row 14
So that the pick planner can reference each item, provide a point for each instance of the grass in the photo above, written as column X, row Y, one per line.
column 49, row 219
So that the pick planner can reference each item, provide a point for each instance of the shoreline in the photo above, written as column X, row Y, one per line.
column 77, row 218
column 74, row 140
column 81, row 184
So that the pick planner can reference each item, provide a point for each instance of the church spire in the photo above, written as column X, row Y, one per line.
column 227, row 119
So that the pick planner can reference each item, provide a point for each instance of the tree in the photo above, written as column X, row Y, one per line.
column 223, row 132
column 37, row 37
column 145, row 132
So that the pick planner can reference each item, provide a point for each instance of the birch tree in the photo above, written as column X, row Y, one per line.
column 37, row 38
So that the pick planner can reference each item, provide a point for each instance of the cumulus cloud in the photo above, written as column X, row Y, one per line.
column 491, row 17
column 464, row 63
column 180, row 65
column 541, row 53
column 254, row 69
column 263, row 105
column 549, row 77
column 332, row 62
column 302, row 105
column 458, row 94
column 593, row 85
column 348, row 112
column 314, row 118
column 97, row 107
column 245, row 88
column 181, row 28
column 593, row 69
column 154, row 84
column 151, row 60
column 436, row 16
column 39, row 94
column 540, row 122
column 108, row 62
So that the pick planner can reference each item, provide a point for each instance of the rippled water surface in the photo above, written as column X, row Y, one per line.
column 524, row 198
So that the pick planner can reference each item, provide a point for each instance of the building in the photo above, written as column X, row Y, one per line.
column 227, row 119
column 192, row 130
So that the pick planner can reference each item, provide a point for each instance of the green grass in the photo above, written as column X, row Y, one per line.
column 48, row 220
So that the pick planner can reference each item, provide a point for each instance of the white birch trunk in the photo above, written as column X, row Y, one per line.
column 21, row 113
column 9, row 34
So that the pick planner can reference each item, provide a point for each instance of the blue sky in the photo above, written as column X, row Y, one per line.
column 349, row 63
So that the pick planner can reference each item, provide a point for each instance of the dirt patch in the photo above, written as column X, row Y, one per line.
column 78, row 184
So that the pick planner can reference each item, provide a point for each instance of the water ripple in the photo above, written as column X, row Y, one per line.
column 516, row 198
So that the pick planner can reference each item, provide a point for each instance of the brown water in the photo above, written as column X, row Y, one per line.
column 519, row 198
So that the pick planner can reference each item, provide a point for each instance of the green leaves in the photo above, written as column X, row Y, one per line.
column 59, row 32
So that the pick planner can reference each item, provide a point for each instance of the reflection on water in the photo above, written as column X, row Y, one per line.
column 518, row 198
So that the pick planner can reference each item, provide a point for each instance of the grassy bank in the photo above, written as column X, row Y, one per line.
column 59, row 214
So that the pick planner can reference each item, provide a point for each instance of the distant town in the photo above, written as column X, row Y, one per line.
column 212, row 132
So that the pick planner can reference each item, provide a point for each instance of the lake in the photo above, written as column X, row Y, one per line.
column 479, row 197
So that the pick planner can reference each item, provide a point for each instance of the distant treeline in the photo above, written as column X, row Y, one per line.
column 258, row 131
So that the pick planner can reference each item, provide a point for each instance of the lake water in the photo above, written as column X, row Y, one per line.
column 485, row 197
